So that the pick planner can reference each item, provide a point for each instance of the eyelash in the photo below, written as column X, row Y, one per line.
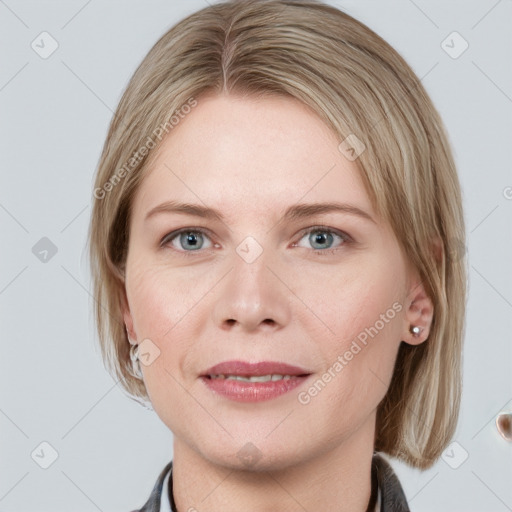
column 346, row 239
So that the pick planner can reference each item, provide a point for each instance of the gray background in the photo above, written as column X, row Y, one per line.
column 55, row 113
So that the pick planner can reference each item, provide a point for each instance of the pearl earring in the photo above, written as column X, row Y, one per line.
column 415, row 330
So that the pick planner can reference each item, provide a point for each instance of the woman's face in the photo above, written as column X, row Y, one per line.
column 326, row 291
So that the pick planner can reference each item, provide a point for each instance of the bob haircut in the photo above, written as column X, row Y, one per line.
column 358, row 85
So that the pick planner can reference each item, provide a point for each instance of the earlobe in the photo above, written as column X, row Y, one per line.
column 418, row 316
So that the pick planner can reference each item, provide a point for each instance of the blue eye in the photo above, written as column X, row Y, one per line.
column 190, row 240
column 321, row 236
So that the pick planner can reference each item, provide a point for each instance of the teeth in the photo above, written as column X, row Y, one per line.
column 255, row 378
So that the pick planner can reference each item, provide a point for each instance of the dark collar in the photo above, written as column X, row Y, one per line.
column 383, row 478
column 392, row 496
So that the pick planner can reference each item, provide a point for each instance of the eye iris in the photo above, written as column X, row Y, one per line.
column 320, row 237
column 191, row 238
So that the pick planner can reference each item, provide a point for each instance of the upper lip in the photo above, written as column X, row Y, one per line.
column 245, row 369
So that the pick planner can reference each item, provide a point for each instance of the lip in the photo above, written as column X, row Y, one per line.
column 245, row 369
column 242, row 391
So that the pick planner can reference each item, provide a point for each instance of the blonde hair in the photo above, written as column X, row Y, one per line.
column 359, row 85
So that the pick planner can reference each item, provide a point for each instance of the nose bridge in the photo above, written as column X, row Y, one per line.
column 252, row 295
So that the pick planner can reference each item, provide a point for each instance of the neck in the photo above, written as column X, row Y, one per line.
column 338, row 479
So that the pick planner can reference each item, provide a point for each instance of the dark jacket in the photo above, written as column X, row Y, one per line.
column 384, row 482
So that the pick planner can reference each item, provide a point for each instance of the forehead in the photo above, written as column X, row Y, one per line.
column 232, row 152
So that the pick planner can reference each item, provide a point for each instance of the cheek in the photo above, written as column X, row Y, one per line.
column 364, row 312
column 358, row 363
column 349, row 300
column 167, row 307
column 161, row 298
column 159, row 306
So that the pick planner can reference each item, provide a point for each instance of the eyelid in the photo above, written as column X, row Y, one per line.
column 321, row 227
column 347, row 239
column 173, row 234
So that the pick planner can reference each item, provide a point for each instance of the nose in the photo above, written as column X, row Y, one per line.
column 252, row 296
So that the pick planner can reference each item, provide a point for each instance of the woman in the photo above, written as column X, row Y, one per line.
column 272, row 240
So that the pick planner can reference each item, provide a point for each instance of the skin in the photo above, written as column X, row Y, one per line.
column 251, row 159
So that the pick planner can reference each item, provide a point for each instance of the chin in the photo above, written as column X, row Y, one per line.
column 254, row 459
column 256, row 454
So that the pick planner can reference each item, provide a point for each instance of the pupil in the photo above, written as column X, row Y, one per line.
column 191, row 239
column 321, row 238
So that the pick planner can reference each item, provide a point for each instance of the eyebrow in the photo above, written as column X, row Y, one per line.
column 293, row 213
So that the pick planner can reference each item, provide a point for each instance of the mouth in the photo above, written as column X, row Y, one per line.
column 254, row 378
column 253, row 382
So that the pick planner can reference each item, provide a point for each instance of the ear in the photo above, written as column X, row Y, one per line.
column 127, row 317
column 419, row 313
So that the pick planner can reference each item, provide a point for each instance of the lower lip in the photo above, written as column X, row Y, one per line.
column 241, row 391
